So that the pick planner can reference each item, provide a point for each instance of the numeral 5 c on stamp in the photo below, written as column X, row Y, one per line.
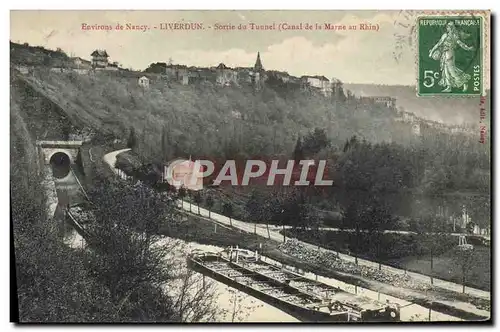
column 450, row 55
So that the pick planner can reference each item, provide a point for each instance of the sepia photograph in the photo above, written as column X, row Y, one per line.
column 250, row 166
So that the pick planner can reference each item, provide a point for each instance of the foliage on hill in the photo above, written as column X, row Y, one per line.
column 57, row 283
column 36, row 55
column 199, row 119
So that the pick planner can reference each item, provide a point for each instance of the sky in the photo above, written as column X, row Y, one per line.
column 354, row 56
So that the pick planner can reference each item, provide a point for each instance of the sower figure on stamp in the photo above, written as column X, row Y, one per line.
column 444, row 50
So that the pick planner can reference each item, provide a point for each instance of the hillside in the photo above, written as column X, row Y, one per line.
column 441, row 109
column 200, row 119
column 36, row 55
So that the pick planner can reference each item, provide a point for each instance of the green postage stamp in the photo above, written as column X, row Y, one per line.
column 450, row 55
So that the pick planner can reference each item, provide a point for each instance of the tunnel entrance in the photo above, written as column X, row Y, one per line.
column 60, row 163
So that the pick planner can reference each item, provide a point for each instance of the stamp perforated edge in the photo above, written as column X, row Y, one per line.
column 485, row 43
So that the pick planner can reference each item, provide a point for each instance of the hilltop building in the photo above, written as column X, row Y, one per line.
column 143, row 82
column 319, row 83
column 258, row 73
column 81, row 63
column 416, row 129
column 244, row 74
column 99, row 59
column 386, row 101
column 178, row 73
column 258, row 67
column 226, row 76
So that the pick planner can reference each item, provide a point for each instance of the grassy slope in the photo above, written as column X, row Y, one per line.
column 22, row 143
column 446, row 268
column 400, row 246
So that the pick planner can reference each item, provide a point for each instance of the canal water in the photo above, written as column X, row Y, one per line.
column 251, row 309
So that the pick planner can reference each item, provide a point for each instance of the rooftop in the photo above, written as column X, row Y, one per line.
column 100, row 53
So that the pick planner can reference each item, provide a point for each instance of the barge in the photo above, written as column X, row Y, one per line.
column 306, row 299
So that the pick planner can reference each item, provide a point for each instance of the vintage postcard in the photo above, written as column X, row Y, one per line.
column 250, row 166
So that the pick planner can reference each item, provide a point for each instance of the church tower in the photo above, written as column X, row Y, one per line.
column 258, row 73
column 258, row 64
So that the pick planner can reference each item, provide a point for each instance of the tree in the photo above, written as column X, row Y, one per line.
column 274, row 209
column 209, row 201
column 127, row 221
column 346, row 146
column 47, row 60
column 189, row 194
column 164, row 144
column 430, row 229
column 378, row 218
column 227, row 209
column 239, row 310
column 352, row 219
column 127, row 259
column 182, row 194
column 298, row 153
column 315, row 141
column 53, row 283
column 254, row 208
column 158, row 67
column 464, row 257
column 132, row 139
column 196, row 299
column 197, row 199
column 480, row 210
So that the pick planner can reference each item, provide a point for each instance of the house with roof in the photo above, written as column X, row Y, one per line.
column 318, row 82
column 408, row 117
column 178, row 73
column 416, row 129
column 283, row 76
column 99, row 59
column 294, row 80
column 143, row 82
column 206, row 75
column 226, row 76
column 244, row 74
column 386, row 101
column 79, row 63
